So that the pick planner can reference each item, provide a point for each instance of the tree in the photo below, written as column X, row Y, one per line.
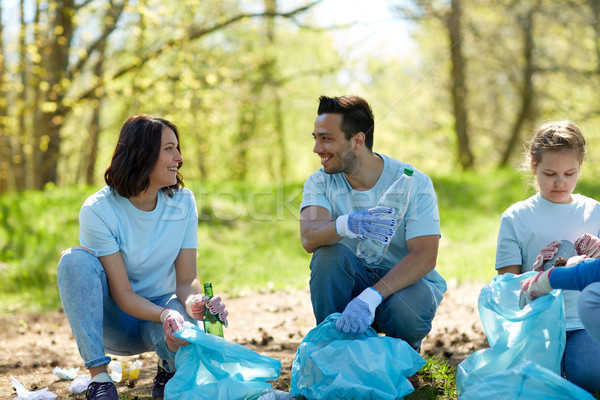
column 63, row 69
column 451, row 18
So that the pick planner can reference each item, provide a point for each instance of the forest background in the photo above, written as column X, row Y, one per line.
column 457, row 87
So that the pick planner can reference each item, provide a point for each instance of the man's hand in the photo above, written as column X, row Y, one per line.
column 534, row 287
column 374, row 223
column 588, row 245
column 172, row 322
column 359, row 314
column 546, row 254
column 197, row 304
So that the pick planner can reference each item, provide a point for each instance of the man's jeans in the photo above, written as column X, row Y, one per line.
column 337, row 276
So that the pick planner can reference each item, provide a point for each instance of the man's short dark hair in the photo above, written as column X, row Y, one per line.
column 357, row 115
column 136, row 155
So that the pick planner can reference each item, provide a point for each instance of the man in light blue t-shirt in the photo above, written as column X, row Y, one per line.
column 400, row 295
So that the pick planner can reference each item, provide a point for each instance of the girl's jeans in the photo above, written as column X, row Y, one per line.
column 96, row 321
column 337, row 276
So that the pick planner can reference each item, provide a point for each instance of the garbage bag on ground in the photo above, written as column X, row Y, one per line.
column 524, row 382
column 330, row 364
column 213, row 368
column 536, row 333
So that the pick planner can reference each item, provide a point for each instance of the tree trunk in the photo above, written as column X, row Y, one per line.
column 90, row 161
column 20, row 163
column 527, row 91
column 459, row 90
column 47, row 125
column 5, row 162
column 595, row 6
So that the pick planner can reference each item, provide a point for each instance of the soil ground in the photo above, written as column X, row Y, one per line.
column 272, row 324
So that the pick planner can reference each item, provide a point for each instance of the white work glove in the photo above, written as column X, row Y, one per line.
column 196, row 306
column 374, row 223
column 359, row 314
column 172, row 322
column 546, row 254
column 534, row 287
column 588, row 245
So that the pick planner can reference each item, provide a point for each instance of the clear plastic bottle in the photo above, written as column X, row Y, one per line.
column 212, row 323
column 396, row 196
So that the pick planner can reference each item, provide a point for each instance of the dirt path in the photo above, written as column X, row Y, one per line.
column 273, row 324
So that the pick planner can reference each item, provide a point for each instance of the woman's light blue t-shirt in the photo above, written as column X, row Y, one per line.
column 334, row 193
column 149, row 242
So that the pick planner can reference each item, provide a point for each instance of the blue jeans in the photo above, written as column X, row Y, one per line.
column 580, row 362
column 337, row 276
column 97, row 323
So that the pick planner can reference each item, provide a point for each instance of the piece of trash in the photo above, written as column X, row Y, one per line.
column 120, row 371
column 80, row 384
column 24, row 394
column 64, row 373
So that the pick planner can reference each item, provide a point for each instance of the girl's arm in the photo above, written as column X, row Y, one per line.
column 122, row 293
column 509, row 269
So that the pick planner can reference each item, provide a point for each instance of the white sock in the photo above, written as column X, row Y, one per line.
column 102, row 377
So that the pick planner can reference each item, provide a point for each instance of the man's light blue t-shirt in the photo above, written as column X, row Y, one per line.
column 149, row 242
column 334, row 193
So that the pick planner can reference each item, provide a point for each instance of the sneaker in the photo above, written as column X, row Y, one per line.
column 160, row 380
column 101, row 391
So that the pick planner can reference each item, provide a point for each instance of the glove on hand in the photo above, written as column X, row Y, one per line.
column 588, row 245
column 172, row 322
column 575, row 260
column 546, row 254
column 359, row 314
column 534, row 287
column 197, row 304
column 375, row 223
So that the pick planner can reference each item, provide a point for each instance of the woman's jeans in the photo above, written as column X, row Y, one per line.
column 96, row 321
column 337, row 276
column 580, row 362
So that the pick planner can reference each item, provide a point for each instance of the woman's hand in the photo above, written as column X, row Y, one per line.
column 197, row 304
column 172, row 322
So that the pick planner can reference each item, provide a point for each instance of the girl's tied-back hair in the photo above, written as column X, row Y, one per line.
column 555, row 136
column 136, row 155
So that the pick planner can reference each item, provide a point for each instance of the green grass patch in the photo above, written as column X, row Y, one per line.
column 438, row 381
column 248, row 235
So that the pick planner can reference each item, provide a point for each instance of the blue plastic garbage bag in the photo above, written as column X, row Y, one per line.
column 333, row 365
column 536, row 333
column 213, row 368
column 526, row 381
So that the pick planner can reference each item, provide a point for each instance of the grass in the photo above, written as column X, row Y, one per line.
column 248, row 235
column 439, row 381
column 249, row 240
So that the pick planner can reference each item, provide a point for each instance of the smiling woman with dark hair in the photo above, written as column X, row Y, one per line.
column 133, row 281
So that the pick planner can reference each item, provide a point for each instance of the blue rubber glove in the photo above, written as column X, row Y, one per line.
column 374, row 223
column 359, row 314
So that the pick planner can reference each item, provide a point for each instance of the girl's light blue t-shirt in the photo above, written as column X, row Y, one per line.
column 334, row 193
column 149, row 242
column 530, row 225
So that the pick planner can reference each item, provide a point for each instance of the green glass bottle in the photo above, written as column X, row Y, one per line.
column 212, row 323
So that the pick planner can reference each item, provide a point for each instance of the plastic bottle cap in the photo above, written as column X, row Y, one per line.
column 408, row 171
